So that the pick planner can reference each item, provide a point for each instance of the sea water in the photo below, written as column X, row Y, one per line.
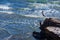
column 19, row 18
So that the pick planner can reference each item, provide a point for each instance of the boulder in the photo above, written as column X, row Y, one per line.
column 50, row 30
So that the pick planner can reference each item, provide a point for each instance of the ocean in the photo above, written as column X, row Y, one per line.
column 19, row 18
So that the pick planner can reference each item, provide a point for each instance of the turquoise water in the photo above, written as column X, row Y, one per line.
column 19, row 18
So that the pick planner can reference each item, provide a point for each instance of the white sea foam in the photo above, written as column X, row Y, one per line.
column 26, row 8
column 8, row 12
column 5, row 7
column 32, row 16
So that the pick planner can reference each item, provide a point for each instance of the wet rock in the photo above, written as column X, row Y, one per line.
column 50, row 30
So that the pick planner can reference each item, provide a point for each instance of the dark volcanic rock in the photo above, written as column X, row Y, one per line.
column 50, row 30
